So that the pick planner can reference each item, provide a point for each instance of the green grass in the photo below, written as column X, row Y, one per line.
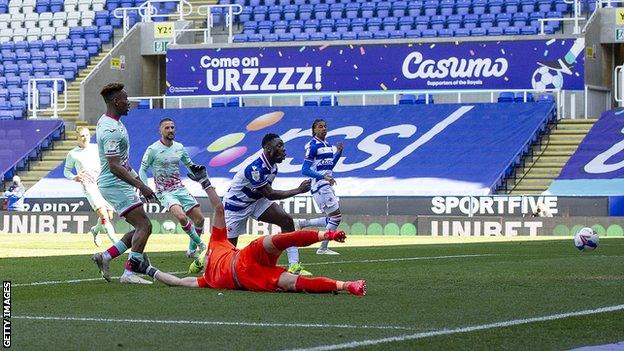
column 517, row 280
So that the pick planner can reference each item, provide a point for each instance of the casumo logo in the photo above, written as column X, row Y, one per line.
column 414, row 67
column 229, row 151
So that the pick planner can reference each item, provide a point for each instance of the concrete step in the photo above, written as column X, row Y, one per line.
column 45, row 164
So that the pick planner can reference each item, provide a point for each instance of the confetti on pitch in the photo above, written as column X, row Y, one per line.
column 472, row 53
column 357, row 78
column 383, row 86
column 355, row 66
column 340, row 52
column 506, row 79
column 279, row 53
column 329, row 63
column 550, row 41
column 362, row 51
column 576, row 74
column 193, row 68
column 351, row 46
column 261, row 55
column 545, row 52
column 323, row 47
column 302, row 48
column 219, row 49
column 503, row 51
column 431, row 46
column 409, row 45
column 167, row 83
column 394, row 79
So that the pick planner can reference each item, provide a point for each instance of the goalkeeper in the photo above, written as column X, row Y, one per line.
column 254, row 267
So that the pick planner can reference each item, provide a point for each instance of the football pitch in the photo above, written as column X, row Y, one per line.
column 524, row 295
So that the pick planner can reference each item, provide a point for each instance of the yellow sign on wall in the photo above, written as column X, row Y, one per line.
column 619, row 17
column 163, row 29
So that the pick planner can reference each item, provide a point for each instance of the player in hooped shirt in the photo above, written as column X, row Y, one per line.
column 320, row 160
column 254, row 267
column 251, row 195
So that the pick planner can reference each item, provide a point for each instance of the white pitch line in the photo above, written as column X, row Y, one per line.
column 504, row 324
column 400, row 259
column 52, row 282
column 214, row 323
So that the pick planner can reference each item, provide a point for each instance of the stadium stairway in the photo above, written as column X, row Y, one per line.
column 56, row 154
column 549, row 156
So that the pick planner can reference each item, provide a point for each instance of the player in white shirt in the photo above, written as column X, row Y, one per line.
column 84, row 158
column 320, row 160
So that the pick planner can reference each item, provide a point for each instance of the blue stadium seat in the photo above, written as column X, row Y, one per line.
column 245, row 15
column 382, row 34
column 311, row 26
column 358, row 24
column 90, row 32
column 495, row 6
column 75, row 33
column 260, row 13
column 462, row 32
column 494, row 31
column 390, row 23
column 317, row 36
column 382, row 9
column 528, row 6
column 431, row 7
column 275, row 13
column 422, row 23
column 310, row 101
column 352, row 9
column 295, row 26
column 422, row 99
column 367, row 9
column 446, row 7
column 520, row 97
column 445, row 33
column 349, row 36
column 454, row 21
column 503, row 20
column 478, row 6
column 399, row 8
column 406, row 23
column 414, row 33
column 233, row 102
column 342, row 25
column 365, row 35
column 462, row 7
column 333, row 36
column 546, row 98
column 271, row 37
column 470, row 21
column 302, row 37
column 520, row 19
column 407, row 99
column 414, row 8
column 280, row 27
column 327, row 101
column 320, row 11
column 373, row 24
column 511, row 6
column 528, row 30
column 397, row 34
column 512, row 31
column 264, row 27
column 506, row 96
column 218, row 102
column 429, row 33
column 336, row 10
column 477, row 32
column 56, row 5
column 289, row 12
column 239, row 38
column 254, row 38
column 326, row 26
column 106, row 34
column 437, row 22
column 305, row 12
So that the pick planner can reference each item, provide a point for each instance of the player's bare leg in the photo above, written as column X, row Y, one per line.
column 102, row 259
column 274, row 244
column 105, row 217
column 142, row 230
column 275, row 214
column 187, row 226
column 197, row 217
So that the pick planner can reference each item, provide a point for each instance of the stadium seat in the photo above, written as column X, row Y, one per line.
column 506, row 96
column 422, row 99
column 218, row 102
column 520, row 97
column 311, row 101
column 407, row 99
column 327, row 101
column 233, row 102
column 333, row 36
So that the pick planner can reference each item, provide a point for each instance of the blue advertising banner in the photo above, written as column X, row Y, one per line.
column 388, row 150
column 597, row 166
column 518, row 64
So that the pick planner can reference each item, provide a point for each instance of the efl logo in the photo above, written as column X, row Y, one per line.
column 6, row 314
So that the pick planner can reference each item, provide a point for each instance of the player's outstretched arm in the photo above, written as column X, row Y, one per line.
column 272, row 194
column 199, row 174
column 144, row 266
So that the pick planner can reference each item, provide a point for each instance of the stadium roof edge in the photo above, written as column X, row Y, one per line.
column 368, row 42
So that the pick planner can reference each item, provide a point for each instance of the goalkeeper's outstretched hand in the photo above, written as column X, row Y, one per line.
column 140, row 266
column 200, row 175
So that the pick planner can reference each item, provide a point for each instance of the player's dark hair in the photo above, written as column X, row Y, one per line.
column 316, row 121
column 110, row 90
column 166, row 119
column 269, row 138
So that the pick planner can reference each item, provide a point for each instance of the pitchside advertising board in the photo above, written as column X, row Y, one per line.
column 518, row 64
column 440, row 216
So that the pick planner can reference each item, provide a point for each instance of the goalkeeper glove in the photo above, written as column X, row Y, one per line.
column 199, row 174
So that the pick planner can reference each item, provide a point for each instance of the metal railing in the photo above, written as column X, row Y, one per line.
column 617, row 85
column 122, row 12
column 147, row 15
column 206, row 10
column 177, row 101
column 34, row 103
